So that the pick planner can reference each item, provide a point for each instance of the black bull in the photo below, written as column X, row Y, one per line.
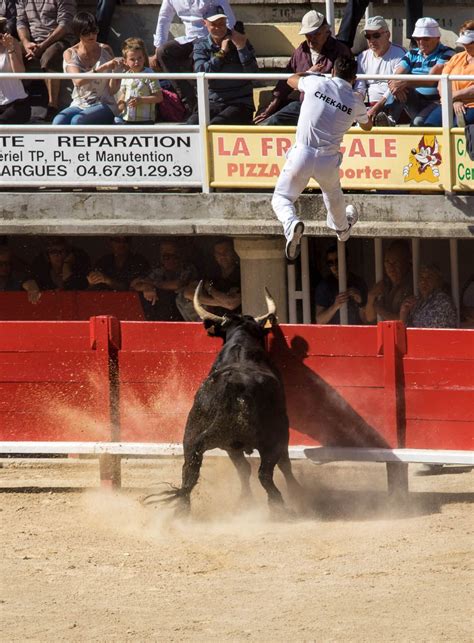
column 239, row 407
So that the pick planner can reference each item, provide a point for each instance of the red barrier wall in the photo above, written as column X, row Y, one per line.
column 346, row 386
column 54, row 380
column 438, row 373
column 63, row 305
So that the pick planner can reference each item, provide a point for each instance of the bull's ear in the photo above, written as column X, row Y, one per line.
column 269, row 322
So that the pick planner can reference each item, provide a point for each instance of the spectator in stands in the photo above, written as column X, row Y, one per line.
column 14, row 102
column 61, row 266
column 385, row 298
column 164, row 286
column 221, row 292
column 177, row 55
column 354, row 12
column 11, row 282
column 93, row 101
column 8, row 11
column 117, row 270
column 329, row 300
column 433, row 308
column 225, row 51
column 44, row 29
column 467, row 303
column 104, row 14
column 417, row 100
column 317, row 53
column 461, row 64
column 138, row 97
column 381, row 57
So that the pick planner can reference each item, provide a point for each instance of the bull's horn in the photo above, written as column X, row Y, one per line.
column 271, row 305
column 200, row 310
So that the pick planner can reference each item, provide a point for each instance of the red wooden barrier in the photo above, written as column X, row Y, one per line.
column 346, row 386
column 438, row 374
column 55, row 380
column 70, row 305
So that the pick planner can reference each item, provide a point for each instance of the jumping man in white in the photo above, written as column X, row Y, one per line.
column 329, row 108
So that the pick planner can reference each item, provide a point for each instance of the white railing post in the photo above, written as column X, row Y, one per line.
column 342, row 271
column 203, row 111
column 330, row 12
column 446, row 102
column 447, row 121
column 305, row 281
column 291, row 275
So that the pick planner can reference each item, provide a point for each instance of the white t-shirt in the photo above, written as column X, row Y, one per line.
column 367, row 63
column 329, row 108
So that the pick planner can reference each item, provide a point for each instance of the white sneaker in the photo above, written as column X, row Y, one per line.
column 292, row 249
column 352, row 218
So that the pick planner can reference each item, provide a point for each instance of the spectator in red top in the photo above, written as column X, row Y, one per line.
column 317, row 53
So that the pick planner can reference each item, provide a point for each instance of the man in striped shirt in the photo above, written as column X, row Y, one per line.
column 44, row 29
column 418, row 100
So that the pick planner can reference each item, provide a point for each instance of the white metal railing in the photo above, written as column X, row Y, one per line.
column 203, row 84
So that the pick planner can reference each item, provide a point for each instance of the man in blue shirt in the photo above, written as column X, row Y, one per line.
column 417, row 100
column 225, row 51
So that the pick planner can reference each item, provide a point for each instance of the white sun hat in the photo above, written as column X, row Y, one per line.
column 426, row 28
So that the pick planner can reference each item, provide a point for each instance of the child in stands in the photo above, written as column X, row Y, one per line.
column 138, row 97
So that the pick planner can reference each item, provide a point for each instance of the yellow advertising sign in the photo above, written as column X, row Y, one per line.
column 394, row 159
column 463, row 166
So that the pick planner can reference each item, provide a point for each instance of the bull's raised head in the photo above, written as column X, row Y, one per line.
column 220, row 326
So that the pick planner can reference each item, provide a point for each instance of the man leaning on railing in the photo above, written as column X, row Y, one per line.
column 419, row 100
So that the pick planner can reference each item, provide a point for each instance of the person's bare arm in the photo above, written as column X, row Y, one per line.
column 325, row 315
column 56, row 34
column 367, row 126
column 32, row 290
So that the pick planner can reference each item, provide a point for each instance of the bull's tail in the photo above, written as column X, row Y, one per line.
column 166, row 496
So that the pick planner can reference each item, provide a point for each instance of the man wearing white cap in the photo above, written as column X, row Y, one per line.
column 419, row 100
column 329, row 108
column 461, row 64
column 317, row 53
column 381, row 57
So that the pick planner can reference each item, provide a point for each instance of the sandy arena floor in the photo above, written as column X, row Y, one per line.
column 79, row 564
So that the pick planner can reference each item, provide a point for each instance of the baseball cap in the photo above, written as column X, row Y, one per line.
column 466, row 37
column 214, row 12
column 374, row 24
column 310, row 22
column 426, row 28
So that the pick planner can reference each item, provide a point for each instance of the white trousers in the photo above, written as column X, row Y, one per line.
column 302, row 164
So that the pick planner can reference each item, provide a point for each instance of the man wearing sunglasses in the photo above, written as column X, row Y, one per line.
column 418, row 100
column 380, row 57
column 317, row 54
column 329, row 300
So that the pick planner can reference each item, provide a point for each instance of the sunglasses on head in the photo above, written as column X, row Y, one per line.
column 374, row 36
